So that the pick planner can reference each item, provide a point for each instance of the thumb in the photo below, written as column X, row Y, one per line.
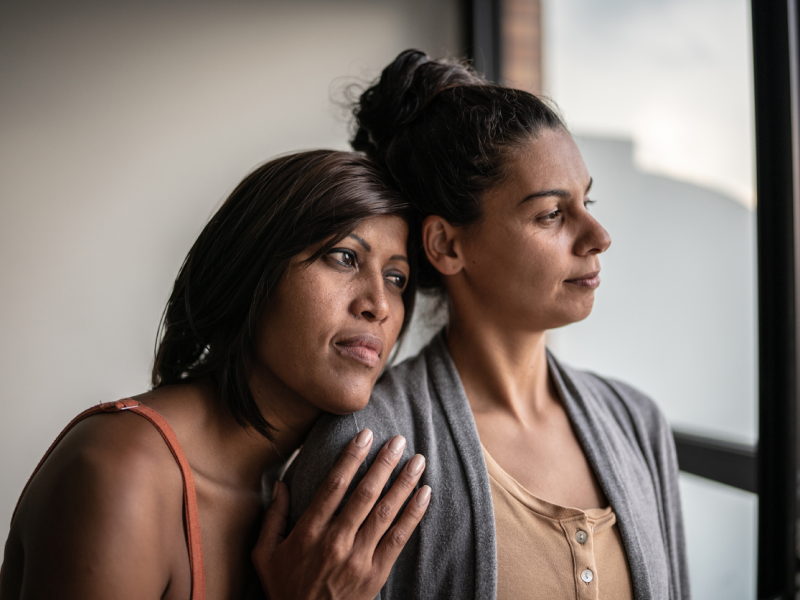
column 273, row 527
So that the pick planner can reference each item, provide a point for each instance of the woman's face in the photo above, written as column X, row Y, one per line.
column 534, row 258
column 330, row 325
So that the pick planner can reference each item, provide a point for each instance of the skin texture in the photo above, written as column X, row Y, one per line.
column 512, row 276
column 103, row 518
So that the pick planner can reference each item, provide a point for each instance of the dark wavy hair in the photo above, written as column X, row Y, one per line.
column 281, row 209
column 445, row 135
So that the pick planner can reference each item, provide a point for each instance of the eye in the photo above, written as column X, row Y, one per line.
column 397, row 279
column 343, row 256
column 587, row 203
column 552, row 216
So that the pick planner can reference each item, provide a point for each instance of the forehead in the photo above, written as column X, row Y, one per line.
column 384, row 231
column 549, row 161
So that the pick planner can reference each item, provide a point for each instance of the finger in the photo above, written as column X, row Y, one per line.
column 369, row 489
column 395, row 540
column 387, row 508
column 330, row 494
column 273, row 527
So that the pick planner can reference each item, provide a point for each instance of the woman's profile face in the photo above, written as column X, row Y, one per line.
column 534, row 256
column 330, row 325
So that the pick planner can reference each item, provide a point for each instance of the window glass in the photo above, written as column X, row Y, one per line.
column 659, row 97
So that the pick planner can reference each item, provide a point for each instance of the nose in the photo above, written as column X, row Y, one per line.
column 371, row 302
column 594, row 239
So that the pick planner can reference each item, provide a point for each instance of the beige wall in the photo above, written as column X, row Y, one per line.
column 122, row 127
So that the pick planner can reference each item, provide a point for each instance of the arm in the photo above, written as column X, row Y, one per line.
column 100, row 518
column 349, row 555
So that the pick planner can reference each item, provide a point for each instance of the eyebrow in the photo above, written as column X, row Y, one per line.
column 555, row 192
column 361, row 241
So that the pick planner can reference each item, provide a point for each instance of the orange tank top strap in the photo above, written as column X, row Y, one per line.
column 191, row 516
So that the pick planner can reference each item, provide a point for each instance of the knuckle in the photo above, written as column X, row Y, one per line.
column 351, row 453
column 398, row 537
column 336, row 549
column 336, row 482
column 387, row 459
column 355, row 565
column 415, row 510
column 367, row 491
column 305, row 538
column 384, row 512
column 405, row 482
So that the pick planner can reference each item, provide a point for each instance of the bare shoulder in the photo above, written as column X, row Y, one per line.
column 111, row 455
column 102, row 517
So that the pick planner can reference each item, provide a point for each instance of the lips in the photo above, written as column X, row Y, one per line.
column 589, row 281
column 364, row 348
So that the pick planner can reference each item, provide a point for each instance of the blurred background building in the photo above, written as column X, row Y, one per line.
column 123, row 125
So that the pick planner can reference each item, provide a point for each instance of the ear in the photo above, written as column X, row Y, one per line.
column 442, row 245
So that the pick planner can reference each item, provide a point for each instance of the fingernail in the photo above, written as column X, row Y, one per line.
column 275, row 490
column 397, row 444
column 423, row 495
column 363, row 438
column 415, row 464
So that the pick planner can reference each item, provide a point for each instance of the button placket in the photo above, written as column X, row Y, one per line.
column 579, row 533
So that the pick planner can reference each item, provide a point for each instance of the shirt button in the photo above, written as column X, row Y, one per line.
column 587, row 576
column 581, row 536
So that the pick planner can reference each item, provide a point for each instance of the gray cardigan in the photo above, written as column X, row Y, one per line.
column 452, row 553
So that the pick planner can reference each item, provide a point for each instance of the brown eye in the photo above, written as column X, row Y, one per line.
column 342, row 256
column 397, row 279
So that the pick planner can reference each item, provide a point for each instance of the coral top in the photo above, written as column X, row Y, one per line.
column 191, row 518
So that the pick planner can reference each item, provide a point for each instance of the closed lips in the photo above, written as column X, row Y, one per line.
column 364, row 348
column 590, row 280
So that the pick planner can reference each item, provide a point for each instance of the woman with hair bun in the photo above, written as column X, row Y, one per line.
column 554, row 482
column 287, row 305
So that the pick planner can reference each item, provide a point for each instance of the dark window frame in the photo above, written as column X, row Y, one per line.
column 775, row 59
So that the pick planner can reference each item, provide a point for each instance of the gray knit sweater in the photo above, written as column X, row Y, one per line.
column 452, row 553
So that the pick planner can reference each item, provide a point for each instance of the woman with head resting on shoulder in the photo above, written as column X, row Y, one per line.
column 551, row 482
column 287, row 305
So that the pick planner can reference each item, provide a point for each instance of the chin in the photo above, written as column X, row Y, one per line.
column 568, row 318
column 345, row 408
column 346, row 400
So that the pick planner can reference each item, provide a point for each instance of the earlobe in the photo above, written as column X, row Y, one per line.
column 441, row 242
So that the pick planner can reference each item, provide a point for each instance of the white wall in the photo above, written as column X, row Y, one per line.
column 122, row 126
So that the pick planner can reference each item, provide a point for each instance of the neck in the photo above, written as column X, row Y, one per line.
column 290, row 415
column 501, row 368
column 241, row 454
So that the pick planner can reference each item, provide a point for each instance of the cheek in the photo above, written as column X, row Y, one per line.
column 295, row 323
column 516, row 265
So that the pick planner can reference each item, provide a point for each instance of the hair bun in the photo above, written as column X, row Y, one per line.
column 399, row 96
